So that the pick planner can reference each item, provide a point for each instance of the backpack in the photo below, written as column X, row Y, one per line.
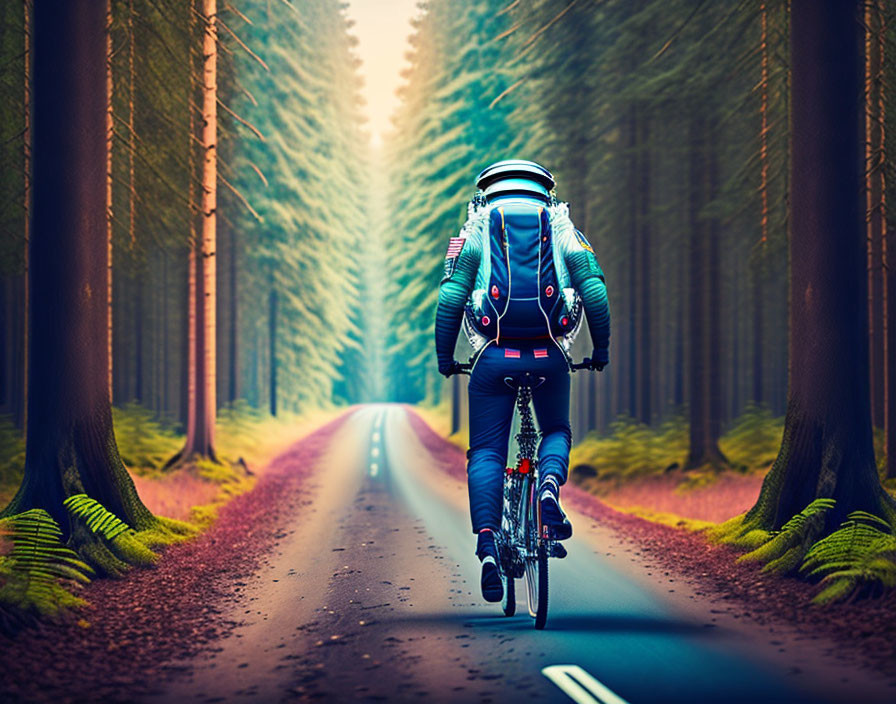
column 522, row 289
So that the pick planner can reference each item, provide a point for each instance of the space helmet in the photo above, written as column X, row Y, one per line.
column 516, row 177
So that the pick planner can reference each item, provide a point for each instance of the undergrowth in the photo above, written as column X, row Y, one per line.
column 632, row 449
column 144, row 441
column 858, row 559
column 40, row 575
column 12, row 454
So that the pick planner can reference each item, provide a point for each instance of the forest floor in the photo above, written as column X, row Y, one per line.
column 124, row 642
column 142, row 630
column 664, row 497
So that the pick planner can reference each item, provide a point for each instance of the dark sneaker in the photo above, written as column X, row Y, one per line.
column 490, row 582
column 555, row 524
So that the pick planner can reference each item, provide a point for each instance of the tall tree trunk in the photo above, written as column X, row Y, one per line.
column 272, row 339
column 827, row 449
column 703, row 325
column 21, row 415
column 110, row 131
column 713, row 386
column 874, row 172
column 70, row 445
column 139, row 371
column 644, row 368
column 202, row 405
column 233, row 340
column 166, row 324
column 757, row 270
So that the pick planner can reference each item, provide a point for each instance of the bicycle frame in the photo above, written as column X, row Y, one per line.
column 516, row 541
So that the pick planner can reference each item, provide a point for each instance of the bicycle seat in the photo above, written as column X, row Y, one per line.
column 524, row 380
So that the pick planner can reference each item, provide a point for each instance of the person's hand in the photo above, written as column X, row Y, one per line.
column 599, row 359
column 449, row 368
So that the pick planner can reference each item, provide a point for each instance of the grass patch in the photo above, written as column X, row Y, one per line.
column 39, row 576
column 672, row 520
column 12, row 458
column 145, row 442
column 632, row 449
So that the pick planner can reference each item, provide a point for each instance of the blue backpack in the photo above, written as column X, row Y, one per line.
column 518, row 292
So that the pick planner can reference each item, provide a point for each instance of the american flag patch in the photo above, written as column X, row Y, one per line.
column 455, row 245
column 511, row 354
column 540, row 354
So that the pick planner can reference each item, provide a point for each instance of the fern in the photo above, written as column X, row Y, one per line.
column 119, row 535
column 38, row 569
column 857, row 558
column 784, row 550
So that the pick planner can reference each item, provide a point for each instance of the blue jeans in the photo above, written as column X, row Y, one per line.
column 491, row 414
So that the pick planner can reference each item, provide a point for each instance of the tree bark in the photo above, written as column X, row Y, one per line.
column 21, row 388
column 644, row 368
column 233, row 341
column 757, row 269
column 827, row 449
column 70, row 444
column 202, row 404
column 875, row 227
column 704, row 405
column 272, row 339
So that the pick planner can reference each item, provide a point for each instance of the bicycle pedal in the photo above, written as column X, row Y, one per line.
column 556, row 532
column 558, row 551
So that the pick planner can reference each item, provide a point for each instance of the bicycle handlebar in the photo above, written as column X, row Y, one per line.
column 584, row 364
column 467, row 368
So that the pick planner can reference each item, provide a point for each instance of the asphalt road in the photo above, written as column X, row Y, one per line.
column 372, row 595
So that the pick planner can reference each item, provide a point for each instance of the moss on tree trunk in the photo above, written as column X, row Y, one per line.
column 70, row 443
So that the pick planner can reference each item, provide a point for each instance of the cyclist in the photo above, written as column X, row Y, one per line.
column 517, row 278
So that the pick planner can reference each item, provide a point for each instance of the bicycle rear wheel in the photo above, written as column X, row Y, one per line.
column 541, row 610
column 537, row 586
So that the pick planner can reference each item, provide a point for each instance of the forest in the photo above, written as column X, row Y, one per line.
column 201, row 253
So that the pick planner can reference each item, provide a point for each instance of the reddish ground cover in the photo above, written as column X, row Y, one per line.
column 864, row 629
column 155, row 615
column 175, row 495
column 728, row 495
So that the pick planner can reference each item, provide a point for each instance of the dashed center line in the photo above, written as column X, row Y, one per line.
column 580, row 686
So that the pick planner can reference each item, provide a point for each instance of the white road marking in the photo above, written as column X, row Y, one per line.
column 580, row 686
column 375, row 437
column 374, row 452
column 374, row 469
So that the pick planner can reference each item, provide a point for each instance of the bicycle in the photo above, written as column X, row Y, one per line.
column 524, row 543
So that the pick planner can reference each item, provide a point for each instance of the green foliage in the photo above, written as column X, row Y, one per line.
column 786, row 548
column 754, row 439
column 446, row 130
column 106, row 525
column 12, row 453
column 735, row 532
column 858, row 558
column 633, row 449
column 304, row 178
column 144, row 442
column 37, row 574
